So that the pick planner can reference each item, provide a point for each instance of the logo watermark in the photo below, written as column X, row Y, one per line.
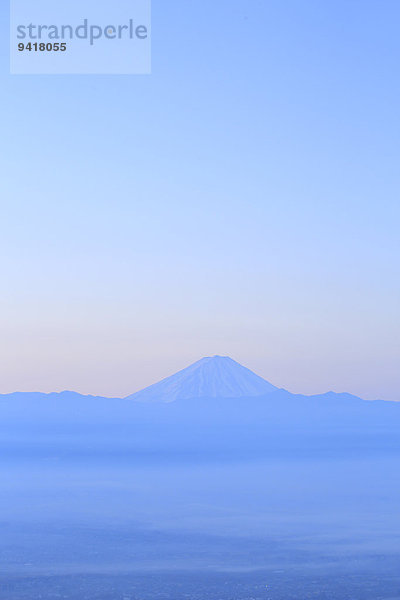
column 53, row 39
column 92, row 33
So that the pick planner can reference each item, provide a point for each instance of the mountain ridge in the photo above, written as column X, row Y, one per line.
column 212, row 377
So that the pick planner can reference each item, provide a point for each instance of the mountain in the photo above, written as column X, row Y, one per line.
column 215, row 409
column 210, row 377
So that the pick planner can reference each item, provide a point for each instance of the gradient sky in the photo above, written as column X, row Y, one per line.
column 242, row 200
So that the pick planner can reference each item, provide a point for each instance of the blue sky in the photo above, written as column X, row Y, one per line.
column 242, row 200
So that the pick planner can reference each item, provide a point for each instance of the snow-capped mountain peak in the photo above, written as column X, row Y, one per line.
column 210, row 377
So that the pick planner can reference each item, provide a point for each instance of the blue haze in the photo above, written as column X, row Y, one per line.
column 263, row 496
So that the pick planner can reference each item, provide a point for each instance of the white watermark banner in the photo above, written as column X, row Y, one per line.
column 80, row 37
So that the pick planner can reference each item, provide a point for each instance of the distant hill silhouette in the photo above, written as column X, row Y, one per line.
column 214, row 403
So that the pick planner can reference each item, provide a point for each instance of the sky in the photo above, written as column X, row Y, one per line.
column 241, row 200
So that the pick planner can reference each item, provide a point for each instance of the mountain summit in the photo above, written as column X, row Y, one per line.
column 210, row 377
